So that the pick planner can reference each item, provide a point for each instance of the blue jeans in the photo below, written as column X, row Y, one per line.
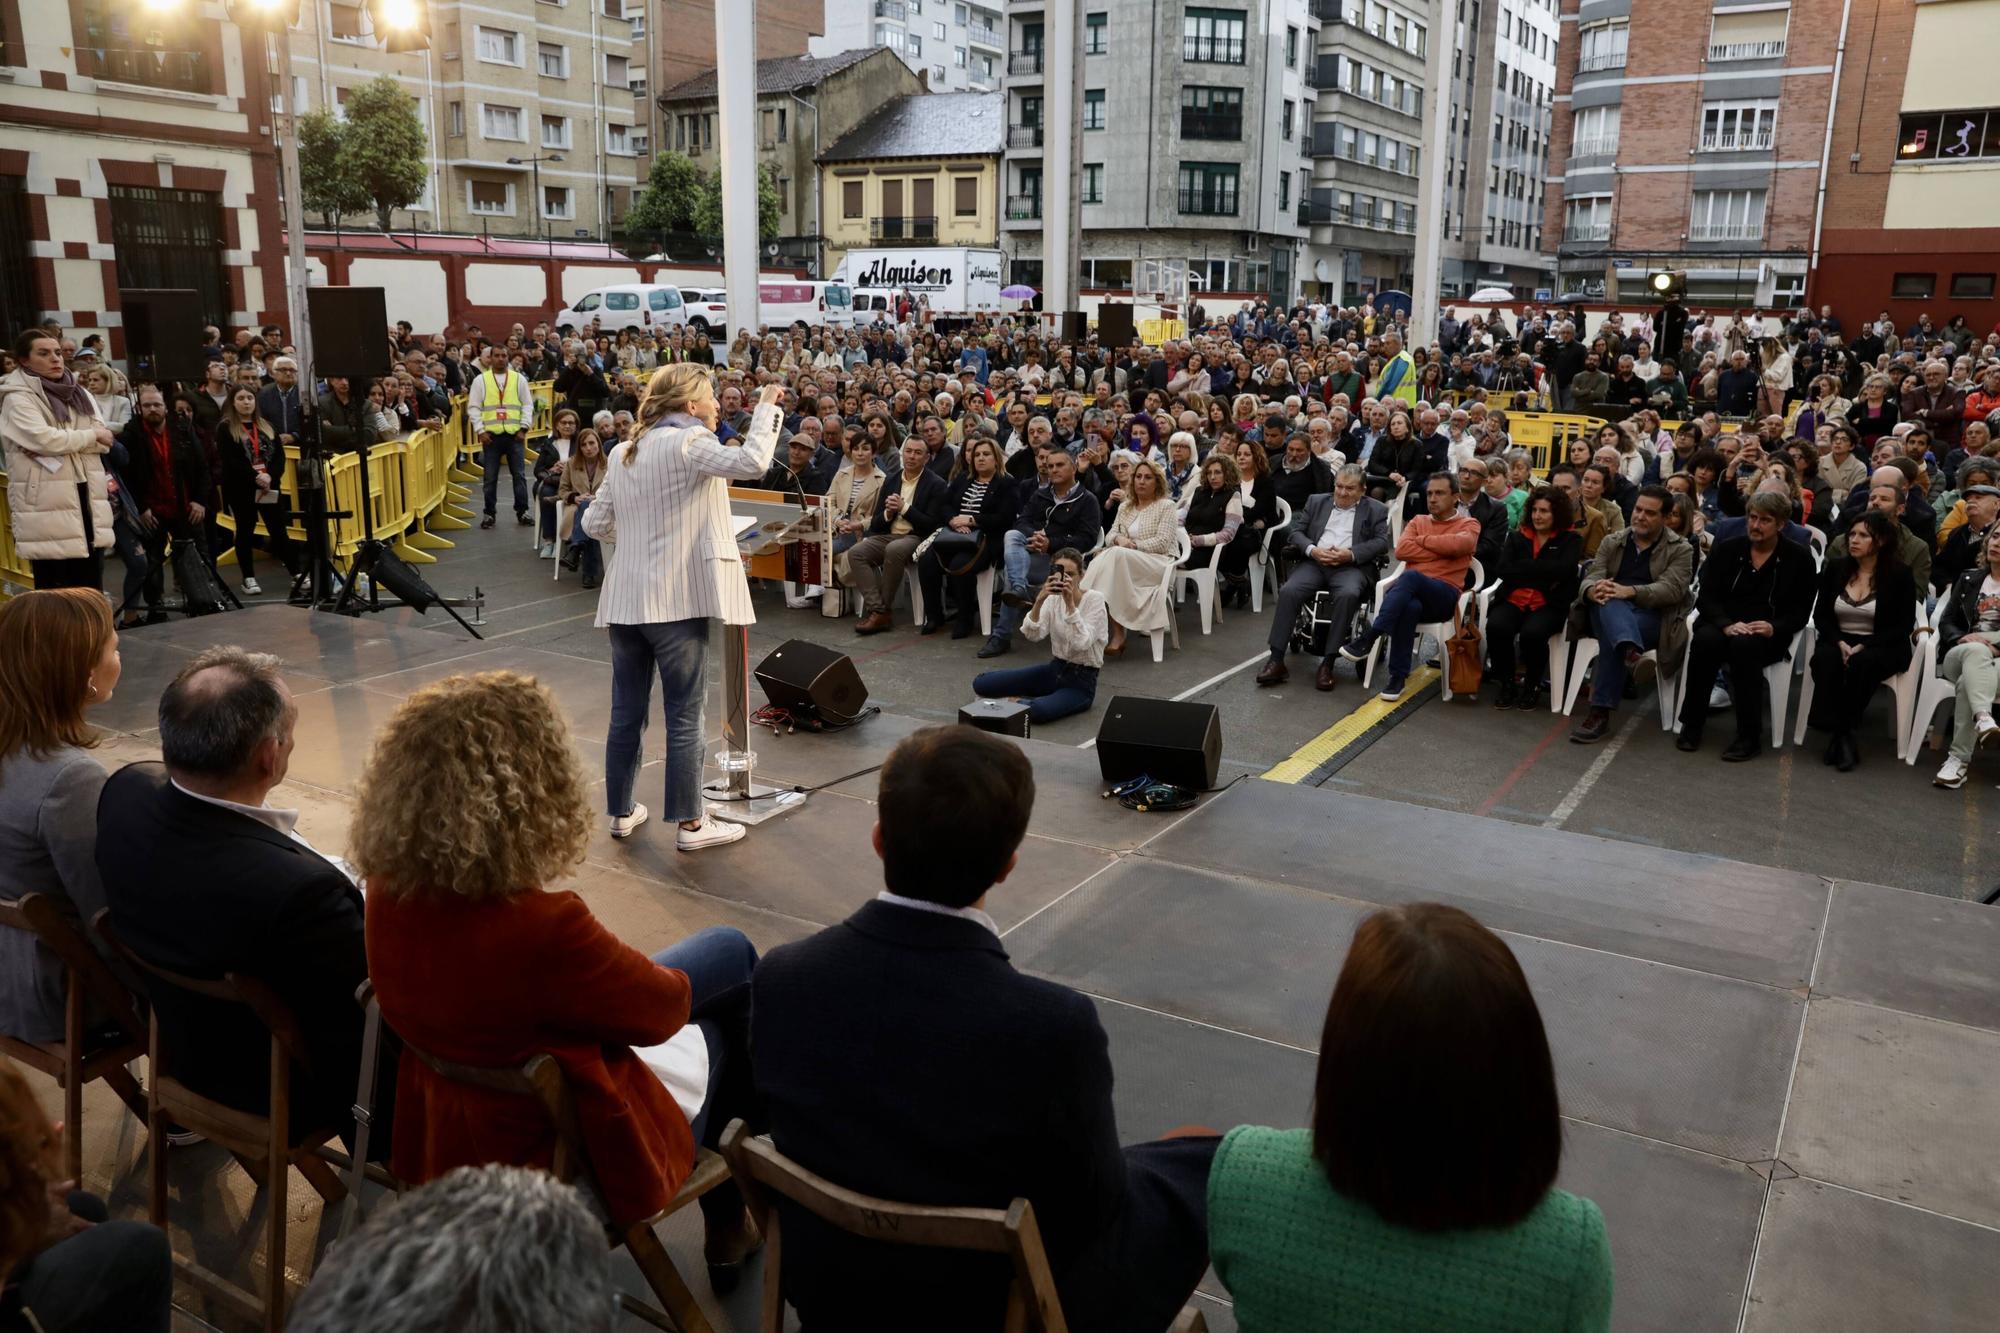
column 590, row 555
column 1413, row 599
column 1054, row 689
column 1619, row 624
column 112, row 1275
column 1024, row 569
column 678, row 650
column 515, row 452
column 718, row 963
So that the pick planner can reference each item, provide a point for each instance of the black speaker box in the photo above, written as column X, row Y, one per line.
column 350, row 332
column 1002, row 717
column 799, row 674
column 1166, row 741
column 1074, row 326
column 162, row 334
column 1114, row 324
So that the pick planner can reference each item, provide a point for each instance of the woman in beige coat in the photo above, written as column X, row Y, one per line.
column 852, row 497
column 55, row 440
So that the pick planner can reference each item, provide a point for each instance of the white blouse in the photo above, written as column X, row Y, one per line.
column 1076, row 636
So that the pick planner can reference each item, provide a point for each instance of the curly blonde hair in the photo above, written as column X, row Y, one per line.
column 28, row 1164
column 473, row 790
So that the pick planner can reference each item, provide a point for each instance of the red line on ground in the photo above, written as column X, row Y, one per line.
column 1485, row 807
column 911, row 642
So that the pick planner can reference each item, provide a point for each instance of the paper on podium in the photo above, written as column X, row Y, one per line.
column 755, row 537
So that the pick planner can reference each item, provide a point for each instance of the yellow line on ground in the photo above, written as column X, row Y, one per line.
column 1340, row 735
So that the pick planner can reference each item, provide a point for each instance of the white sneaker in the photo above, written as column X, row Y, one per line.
column 1953, row 774
column 251, row 589
column 711, row 832
column 1718, row 700
column 622, row 825
column 548, row 550
column 1986, row 730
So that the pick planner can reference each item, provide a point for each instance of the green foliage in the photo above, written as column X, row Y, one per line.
column 708, row 206
column 673, row 187
column 327, row 190
column 383, row 146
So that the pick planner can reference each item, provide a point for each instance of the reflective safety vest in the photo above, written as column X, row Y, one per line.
column 501, row 413
column 1399, row 379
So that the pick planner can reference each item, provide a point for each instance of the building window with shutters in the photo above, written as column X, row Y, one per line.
column 850, row 199
column 965, row 197
column 1093, row 182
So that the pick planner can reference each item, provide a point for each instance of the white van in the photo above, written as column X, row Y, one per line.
column 638, row 305
column 782, row 303
column 871, row 302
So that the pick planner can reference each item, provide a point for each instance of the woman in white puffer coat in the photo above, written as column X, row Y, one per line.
column 55, row 439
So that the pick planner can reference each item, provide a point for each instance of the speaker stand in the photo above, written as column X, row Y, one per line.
column 735, row 796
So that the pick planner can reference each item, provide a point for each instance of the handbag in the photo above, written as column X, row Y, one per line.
column 1464, row 658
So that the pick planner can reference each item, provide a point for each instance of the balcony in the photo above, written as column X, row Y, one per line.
column 1584, row 232
column 1599, row 145
column 1323, row 141
column 1024, row 207
column 1326, row 11
column 1207, row 204
column 1719, row 52
column 1212, row 125
column 1733, row 141
column 921, row 231
column 1024, row 136
column 1315, row 214
column 1024, row 62
column 1603, row 60
column 1726, row 231
column 891, row 9
column 980, row 36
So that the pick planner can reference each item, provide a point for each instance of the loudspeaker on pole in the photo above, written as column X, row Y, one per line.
column 1114, row 324
column 162, row 334
column 350, row 332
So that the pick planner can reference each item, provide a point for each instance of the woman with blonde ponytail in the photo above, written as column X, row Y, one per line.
column 664, row 501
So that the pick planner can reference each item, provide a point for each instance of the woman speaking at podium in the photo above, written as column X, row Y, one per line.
column 665, row 503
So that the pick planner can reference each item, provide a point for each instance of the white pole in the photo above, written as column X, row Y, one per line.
column 1061, row 102
column 295, row 218
column 1428, row 266
column 736, row 112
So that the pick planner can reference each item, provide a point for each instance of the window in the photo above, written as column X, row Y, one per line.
column 1735, row 127
column 914, row 45
column 938, row 31
column 457, row 110
column 784, row 194
column 937, row 76
column 618, row 140
column 555, row 131
column 1094, row 28
column 1756, row 35
column 1594, row 132
column 850, row 199
column 153, row 47
column 1093, row 108
column 617, row 71
column 490, row 198
column 497, row 46
column 500, row 122
column 552, row 59
column 1727, row 215
column 1093, row 182
column 1208, row 188
column 782, row 130
column 1213, row 36
column 1601, row 46
column 965, row 196
column 1291, row 48
column 558, row 201
column 1587, row 218
column 1958, row 136
column 1284, row 190
column 1212, row 113
column 1972, row 286
column 1913, row 287
column 1286, row 119
column 958, row 56
column 170, row 238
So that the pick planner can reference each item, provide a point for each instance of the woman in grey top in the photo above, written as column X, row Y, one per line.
column 58, row 657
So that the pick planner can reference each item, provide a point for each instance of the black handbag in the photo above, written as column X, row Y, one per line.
column 958, row 552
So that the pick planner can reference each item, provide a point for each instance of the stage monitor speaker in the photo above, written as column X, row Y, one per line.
column 1160, row 739
column 799, row 674
column 1074, row 326
column 350, row 336
column 163, row 334
column 1002, row 717
column 1114, row 324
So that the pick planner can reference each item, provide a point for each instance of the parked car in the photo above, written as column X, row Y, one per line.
column 708, row 311
column 627, row 306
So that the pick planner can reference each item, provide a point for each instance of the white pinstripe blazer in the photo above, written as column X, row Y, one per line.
column 676, row 555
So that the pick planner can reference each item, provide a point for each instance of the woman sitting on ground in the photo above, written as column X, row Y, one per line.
column 1212, row 511
column 982, row 503
column 1130, row 572
column 1866, row 613
column 550, row 459
column 578, row 483
column 471, row 808
column 1423, row 1196
column 1260, row 511
column 1969, row 655
column 1076, row 623
column 1538, row 580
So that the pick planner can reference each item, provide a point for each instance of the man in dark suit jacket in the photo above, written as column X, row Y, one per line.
column 203, row 878
column 1491, row 513
column 906, row 515
column 1344, row 538
column 900, row 1054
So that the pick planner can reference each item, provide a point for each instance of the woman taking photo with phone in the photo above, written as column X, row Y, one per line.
column 1076, row 622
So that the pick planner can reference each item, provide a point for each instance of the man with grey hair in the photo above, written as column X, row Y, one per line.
column 483, row 1247
column 205, row 877
column 1343, row 537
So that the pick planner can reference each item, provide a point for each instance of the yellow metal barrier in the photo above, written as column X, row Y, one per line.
column 15, row 573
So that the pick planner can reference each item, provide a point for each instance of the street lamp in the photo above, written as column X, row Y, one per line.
column 536, row 163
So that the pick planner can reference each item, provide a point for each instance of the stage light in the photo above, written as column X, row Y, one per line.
column 1667, row 284
column 403, row 25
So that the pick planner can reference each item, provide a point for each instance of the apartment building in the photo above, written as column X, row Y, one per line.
column 1191, row 142
column 804, row 104
column 504, row 83
column 137, row 153
column 922, row 170
column 680, row 42
column 1366, row 145
column 957, row 46
column 1690, row 137
column 1496, row 149
column 1909, row 224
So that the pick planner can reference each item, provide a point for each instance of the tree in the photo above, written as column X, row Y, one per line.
column 327, row 190
column 708, row 209
column 673, row 189
column 383, row 146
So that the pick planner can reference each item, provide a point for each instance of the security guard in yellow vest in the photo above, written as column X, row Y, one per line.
column 500, row 405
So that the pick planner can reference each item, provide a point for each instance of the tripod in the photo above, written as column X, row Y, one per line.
column 155, row 568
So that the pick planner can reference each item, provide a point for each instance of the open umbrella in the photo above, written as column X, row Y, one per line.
column 1487, row 295
column 1018, row 293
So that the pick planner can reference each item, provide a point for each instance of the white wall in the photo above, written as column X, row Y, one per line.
column 414, row 289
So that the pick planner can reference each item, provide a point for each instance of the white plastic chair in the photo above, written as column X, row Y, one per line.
column 565, row 525
column 1201, row 580
column 1182, row 548
column 1817, row 540
column 1263, row 563
column 1439, row 630
column 1570, row 664
column 982, row 585
column 1777, row 682
column 1904, row 686
column 1932, row 688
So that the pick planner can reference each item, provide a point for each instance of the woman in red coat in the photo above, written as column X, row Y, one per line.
column 472, row 802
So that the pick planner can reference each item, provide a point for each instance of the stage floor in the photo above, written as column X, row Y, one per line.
column 1779, row 1087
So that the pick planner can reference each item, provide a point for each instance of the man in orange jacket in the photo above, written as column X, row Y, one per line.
column 1436, row 550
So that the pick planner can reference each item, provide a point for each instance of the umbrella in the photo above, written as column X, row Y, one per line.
column 1018, row 293
column 1488, row 294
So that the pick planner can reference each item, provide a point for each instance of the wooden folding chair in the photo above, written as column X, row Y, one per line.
column 261, row 1144
column 542, row 1079
column 89, row 987
column 1032, row 1303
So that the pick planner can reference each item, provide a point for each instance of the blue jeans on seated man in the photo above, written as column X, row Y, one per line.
column 1413, row 599
column 678, row 651
column 1024, row 570
column 718, row 962
column 1054, row 689
column 1620, row 625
